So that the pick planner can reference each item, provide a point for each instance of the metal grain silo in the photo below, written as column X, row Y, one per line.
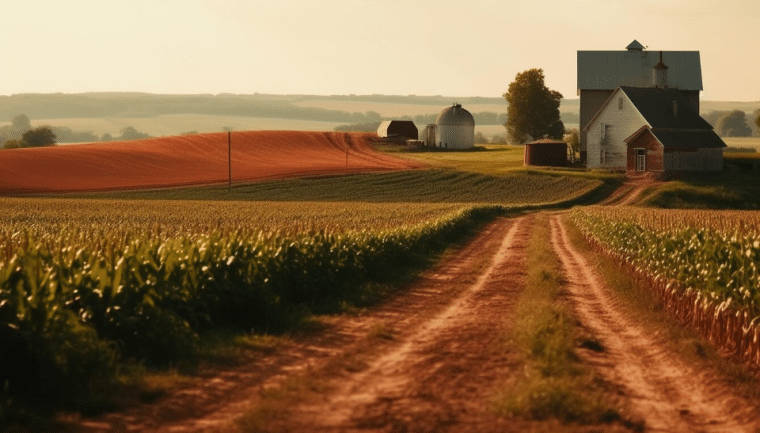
column 427, row 134
column 455, row 128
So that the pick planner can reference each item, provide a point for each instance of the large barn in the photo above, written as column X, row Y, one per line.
column 651, row 131
column 600, row 73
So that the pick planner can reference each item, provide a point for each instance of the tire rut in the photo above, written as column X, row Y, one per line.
column 437, row 378
column 668, row 394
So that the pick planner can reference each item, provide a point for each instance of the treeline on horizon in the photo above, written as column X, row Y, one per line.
column 98, row 105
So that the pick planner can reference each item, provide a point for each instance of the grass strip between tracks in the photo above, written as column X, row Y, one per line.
column 556, row 385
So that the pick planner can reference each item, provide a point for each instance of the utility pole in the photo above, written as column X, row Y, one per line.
column 229, row 160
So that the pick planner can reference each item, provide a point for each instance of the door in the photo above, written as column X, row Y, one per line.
column 641, row 159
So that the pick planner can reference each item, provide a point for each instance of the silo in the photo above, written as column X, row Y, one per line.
column 455, row 128
column 427, row 134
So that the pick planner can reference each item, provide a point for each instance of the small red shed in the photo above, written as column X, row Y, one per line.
column 546, row 152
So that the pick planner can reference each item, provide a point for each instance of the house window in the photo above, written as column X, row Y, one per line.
column 620, row 103
column 602, row 156
column 604, row 131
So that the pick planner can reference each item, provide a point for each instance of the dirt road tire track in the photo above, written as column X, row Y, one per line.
column 439, row 375
column 668, row 394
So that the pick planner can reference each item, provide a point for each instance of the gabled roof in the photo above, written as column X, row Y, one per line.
column 608, row 70
column 700, row 138
column 656, row 105
column 635, row 45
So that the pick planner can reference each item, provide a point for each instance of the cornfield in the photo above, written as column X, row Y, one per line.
column 703, row 265
column 86, row 282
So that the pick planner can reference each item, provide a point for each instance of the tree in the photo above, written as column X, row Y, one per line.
column 480, row 138
column 533, row 110
column 21, row 123
column 106, row 137
column 130, row 133
column 572, row 138
column 757, row 120
column 733, row 124
column 38, row 137
column 12, row 144
column 498, row 139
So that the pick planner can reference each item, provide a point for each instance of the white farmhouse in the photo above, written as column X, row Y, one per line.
column 601, row 72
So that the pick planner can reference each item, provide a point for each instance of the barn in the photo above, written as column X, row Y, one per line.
column 545, row 152
column 601, row 72
column 400, row 129
column 650, row 131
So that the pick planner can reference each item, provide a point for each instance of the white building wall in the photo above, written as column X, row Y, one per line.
column 455, row 137
column 608, row 130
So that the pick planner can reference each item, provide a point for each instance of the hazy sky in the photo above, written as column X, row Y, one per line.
column 422, row 47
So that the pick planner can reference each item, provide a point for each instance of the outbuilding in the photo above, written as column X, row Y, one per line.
column 546, row 152
column 400, row 129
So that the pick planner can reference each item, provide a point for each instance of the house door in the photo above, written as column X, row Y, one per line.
column 641, row 159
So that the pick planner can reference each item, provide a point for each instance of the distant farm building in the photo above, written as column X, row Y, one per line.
column 600, row 73
column 427, row 135
column 651, row 132
column 455, row 128
column 545, row 152
column 397, row 129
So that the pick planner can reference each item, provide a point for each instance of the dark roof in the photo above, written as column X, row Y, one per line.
column 656, row 105
column 694, row 138
column 455, row 115
column 635, row 45
column 546, row 141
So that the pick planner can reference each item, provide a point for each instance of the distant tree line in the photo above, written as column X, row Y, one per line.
column 732, row 123
column 20, row 134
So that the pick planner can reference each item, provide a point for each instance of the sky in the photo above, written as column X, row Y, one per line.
column 341, row 47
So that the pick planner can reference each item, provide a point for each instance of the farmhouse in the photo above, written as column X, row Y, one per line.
column 601, row 72
column 545, row 152
column 401, row 129
column 455, row 128
column 651, row 131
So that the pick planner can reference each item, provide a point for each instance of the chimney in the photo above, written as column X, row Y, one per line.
column 660, row 74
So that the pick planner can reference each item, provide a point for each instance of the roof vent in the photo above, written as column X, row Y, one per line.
column 634, row 46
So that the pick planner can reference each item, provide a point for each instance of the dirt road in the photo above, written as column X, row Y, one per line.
column 668, row 394
column 431, row 358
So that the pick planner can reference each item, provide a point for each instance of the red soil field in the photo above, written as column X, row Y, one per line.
column 189, row 160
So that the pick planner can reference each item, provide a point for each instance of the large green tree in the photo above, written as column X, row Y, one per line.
column 757, row 120
column 533, row 110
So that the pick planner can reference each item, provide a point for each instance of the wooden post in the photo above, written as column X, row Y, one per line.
column 229, row 160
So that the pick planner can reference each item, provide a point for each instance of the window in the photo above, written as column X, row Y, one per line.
column 604, row 131
column 620, row 103
column 602, row 156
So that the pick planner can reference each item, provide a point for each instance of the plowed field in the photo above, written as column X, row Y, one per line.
column 189, row 160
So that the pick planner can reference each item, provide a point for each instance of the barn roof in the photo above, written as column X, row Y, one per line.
column 701, row 138
column 607, row 70
column 656, row 105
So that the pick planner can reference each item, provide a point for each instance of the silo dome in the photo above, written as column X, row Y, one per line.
column 455, row 116
column 455, row 128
